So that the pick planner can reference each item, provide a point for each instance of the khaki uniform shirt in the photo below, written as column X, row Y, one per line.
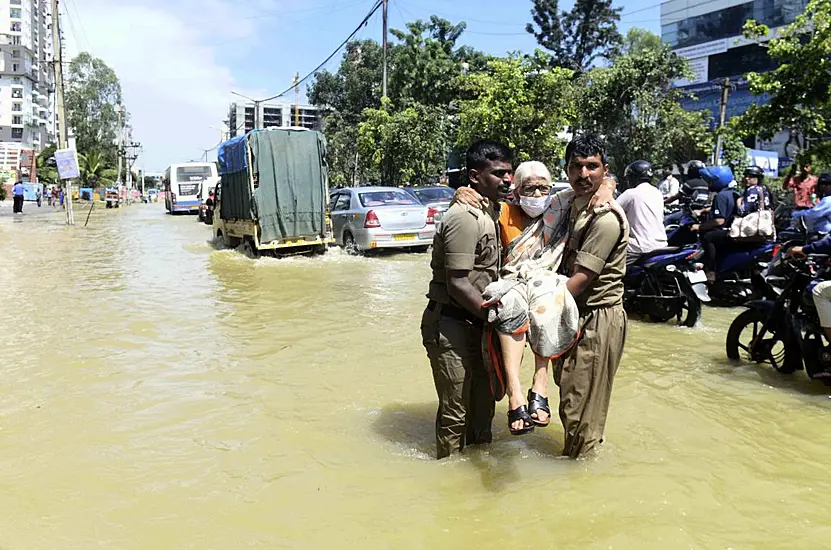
column 603, row 251
column 467, row 240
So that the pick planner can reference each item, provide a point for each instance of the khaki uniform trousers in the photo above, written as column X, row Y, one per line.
column 466, row 406
column 585, row 376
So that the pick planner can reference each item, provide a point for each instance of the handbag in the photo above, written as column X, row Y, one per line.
column 756, row 226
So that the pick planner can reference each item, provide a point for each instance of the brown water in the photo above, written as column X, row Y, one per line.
column 158, row 393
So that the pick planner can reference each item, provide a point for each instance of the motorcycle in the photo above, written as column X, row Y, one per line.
column 785, row 326
column 734, row 269
column 666, row 283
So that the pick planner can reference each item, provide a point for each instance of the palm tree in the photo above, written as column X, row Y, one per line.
column 94, row 170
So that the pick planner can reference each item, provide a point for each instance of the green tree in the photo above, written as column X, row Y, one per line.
column 404, row 146
column 94, row 169
column 578, row 37
column 427, row 67
column 518, row 104
column 800, row 85
column 93, row 94
column 632, row 102
column 47, row 171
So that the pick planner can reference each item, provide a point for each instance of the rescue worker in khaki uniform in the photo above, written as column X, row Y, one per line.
column 466, row 255
column 595, row 261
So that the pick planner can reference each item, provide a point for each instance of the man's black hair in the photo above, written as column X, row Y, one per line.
column 482, row 152
column 585, row 146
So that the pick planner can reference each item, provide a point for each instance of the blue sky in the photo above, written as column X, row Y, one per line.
column 178, row 60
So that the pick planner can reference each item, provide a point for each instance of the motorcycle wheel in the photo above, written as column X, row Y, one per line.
column 741, row 345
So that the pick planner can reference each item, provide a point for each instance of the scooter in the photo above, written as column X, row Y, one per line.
column 784, row 327
column 666, row 283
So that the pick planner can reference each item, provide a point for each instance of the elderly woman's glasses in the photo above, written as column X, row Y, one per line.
column 530, row 190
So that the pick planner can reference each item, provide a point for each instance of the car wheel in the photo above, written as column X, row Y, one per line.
column 349, row 244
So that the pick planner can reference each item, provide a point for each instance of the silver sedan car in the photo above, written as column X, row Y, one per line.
column 366, row 218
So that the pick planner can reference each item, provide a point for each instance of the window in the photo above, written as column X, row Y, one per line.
column 17, row 93
column 15, row 40
column 17, row 133
column 344, row 200
column 16, row 27
column 17, row 119
column 15, row 67
column 434, row 194
column 386, row 198
column 15, row 13
column 17, row 106
column 15, row 53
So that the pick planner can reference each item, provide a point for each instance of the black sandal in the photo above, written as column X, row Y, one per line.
column 536, row 403
column 520, row 413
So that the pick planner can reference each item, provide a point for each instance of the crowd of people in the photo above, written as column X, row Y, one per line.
column 515, row 265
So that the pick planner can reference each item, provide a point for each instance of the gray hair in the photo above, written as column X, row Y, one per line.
column 528, row 169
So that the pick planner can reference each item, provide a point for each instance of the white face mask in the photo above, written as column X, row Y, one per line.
column 534, row 206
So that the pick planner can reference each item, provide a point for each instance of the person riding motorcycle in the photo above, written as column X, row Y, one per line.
column 817, row 219
column 754, row 178
column 714, row 233
column 643, row 204
column 694, row 192
column 822, row 291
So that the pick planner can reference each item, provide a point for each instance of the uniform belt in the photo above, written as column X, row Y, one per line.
column 454, row 312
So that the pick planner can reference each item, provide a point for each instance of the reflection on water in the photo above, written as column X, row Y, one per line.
column 161, row 393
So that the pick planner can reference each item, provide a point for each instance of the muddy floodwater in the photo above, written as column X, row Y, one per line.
column 159, row 393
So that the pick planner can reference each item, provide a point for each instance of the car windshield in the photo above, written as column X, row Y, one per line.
column 192, row 173
column 385, row 198
column 434, row 194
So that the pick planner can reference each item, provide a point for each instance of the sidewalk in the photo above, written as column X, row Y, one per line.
column 30, row 210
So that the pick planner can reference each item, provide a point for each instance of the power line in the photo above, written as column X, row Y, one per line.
column 81, row 23
column 363, row 23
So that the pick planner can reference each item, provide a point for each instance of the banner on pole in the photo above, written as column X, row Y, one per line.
column 67, row 163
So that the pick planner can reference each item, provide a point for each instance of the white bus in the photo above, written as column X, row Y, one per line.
column 186, row 184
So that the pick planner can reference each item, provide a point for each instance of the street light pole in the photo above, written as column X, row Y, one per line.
column 384, row 91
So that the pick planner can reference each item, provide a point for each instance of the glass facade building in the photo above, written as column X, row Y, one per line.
column 725, row 22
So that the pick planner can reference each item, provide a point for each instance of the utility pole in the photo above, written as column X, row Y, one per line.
column 296, row 83
column 63, row 142
column 256, row 115
column 384, row 89
column 722, row 116
column 120, row 149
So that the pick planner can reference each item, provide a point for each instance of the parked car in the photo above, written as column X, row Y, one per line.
column 437, row 197
column 153, row 195
column 366, row 218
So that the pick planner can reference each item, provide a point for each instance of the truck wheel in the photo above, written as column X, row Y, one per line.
column 249, row 250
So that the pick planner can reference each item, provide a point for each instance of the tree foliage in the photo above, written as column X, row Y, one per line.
column 47, row 171
column 94, row 169
column 579, row 37
column 404, row 146
column 800, row 86
column 518, row 104
column 632, row 102
column 93, row 96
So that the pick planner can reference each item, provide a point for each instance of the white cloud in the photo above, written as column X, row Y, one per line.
column 167, row 56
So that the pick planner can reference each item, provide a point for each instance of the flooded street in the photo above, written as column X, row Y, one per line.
column 160, row 393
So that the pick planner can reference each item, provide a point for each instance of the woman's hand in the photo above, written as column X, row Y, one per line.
column 605, row 194
column 468, row 196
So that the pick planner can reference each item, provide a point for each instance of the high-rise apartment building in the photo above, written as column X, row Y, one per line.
column 27, row 83
column 274, row 114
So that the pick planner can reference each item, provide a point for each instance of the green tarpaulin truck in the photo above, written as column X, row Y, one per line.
column 273, row 192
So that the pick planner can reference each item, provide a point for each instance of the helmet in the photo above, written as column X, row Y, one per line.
column 824, row 179
column 719, row 177
column 637, row 172
column 694, row 168
column 755, row 172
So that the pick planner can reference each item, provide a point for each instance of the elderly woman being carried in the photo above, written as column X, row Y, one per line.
column 530, row 300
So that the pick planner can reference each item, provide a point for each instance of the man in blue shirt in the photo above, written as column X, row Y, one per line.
column 715, row 232
column 17, row 193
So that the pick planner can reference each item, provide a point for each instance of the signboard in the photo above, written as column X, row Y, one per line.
column 766, row 160
column 703, row 50
column 67, row 163
column 786, row 143
column 700, row 68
